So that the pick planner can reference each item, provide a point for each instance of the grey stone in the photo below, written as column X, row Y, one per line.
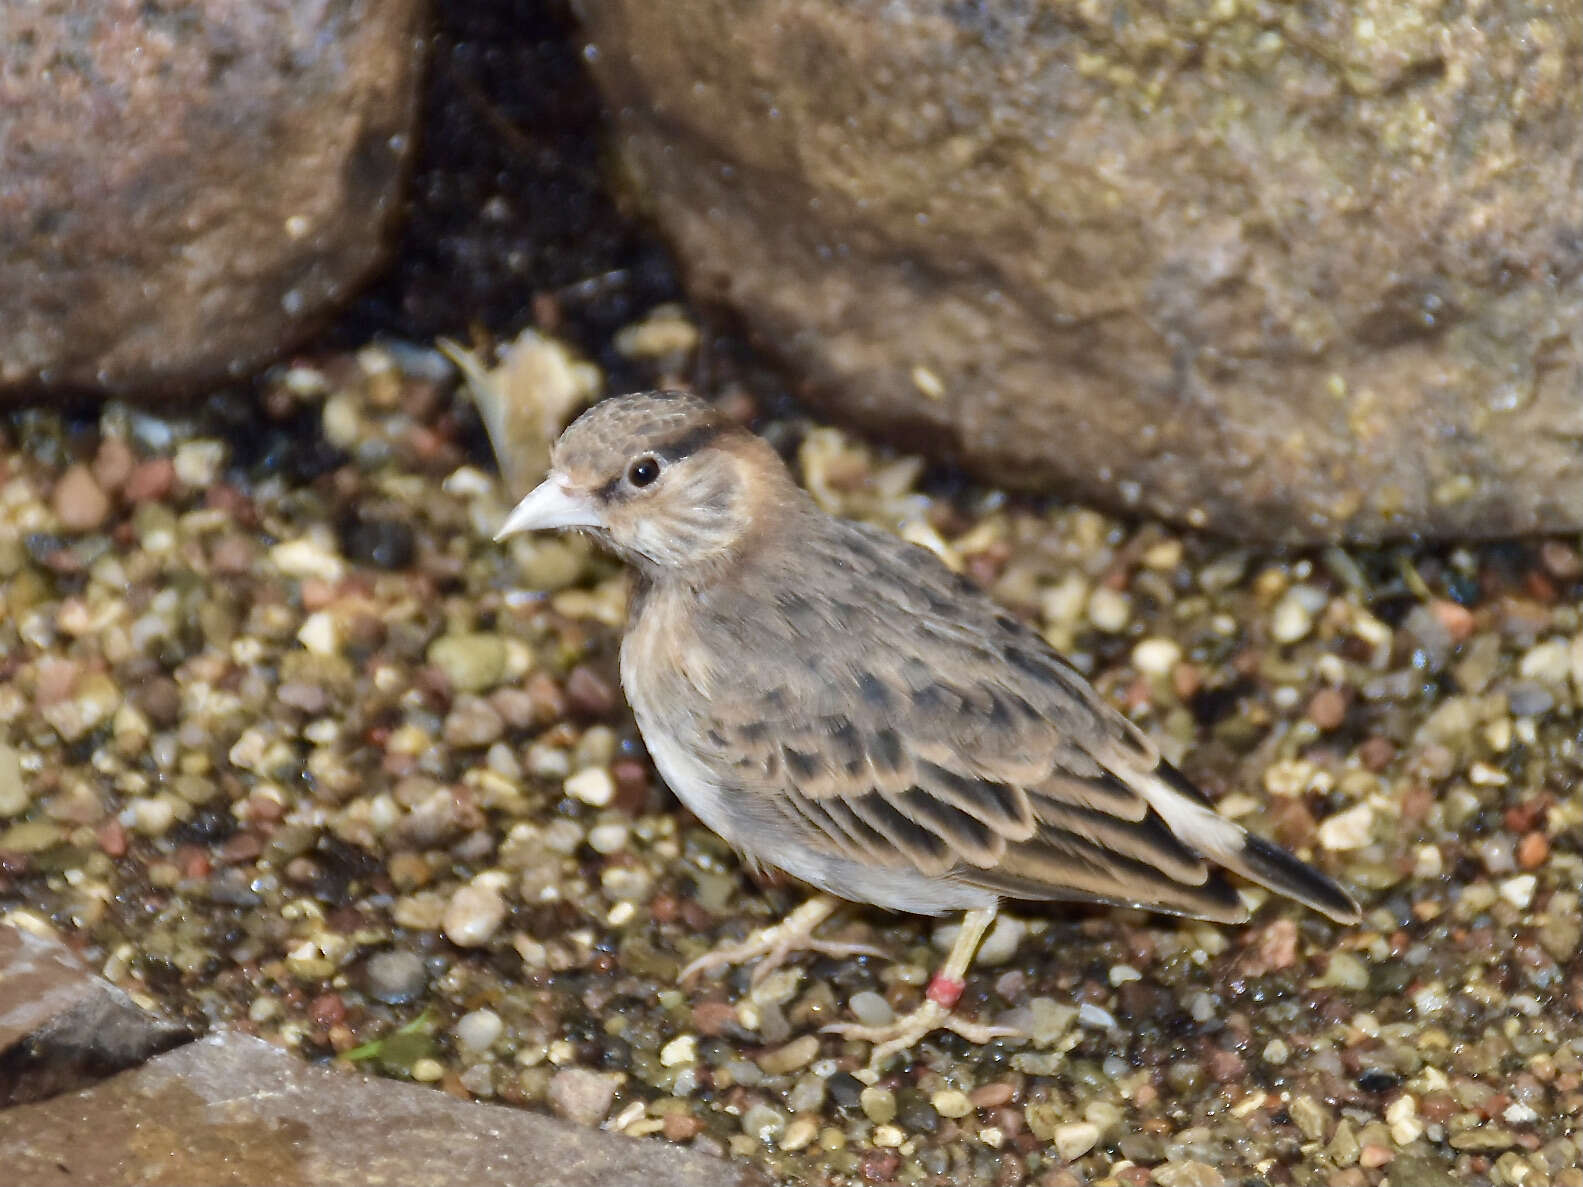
column 61, row 1026
column 186, row 191
column 1276, row 270
column 233, row 1109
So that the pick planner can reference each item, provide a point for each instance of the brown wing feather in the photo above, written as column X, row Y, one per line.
column 945, row 737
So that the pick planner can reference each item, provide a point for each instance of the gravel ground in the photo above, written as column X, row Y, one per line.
column 286, row 743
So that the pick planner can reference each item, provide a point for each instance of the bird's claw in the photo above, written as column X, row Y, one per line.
column 903, row 1034
column 771, row 946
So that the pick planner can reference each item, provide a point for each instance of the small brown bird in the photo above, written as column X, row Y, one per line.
column 837, row 704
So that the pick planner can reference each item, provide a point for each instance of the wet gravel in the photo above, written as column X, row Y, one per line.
column 287, row 744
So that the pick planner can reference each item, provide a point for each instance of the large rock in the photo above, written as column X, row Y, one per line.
column 1288, row 271
column 233, row 1109
column 187, row 190
column 61, row 1026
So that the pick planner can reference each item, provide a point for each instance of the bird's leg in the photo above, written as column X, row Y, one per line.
column 774, row 944
column 945, row 990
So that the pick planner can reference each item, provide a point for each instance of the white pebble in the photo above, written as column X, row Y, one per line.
column 1108, row 609
column 320, row 634
column 473, row 915
column 1548, row 663
column 871, row 1009
column 1156, row 656
column 1120, row 974
column 951, row 1102
column 197, row 463
column 1428, row 864
column 1348, row 830
column 1402, row 1116
column 592, row 785
column 610, row 837
column 1291, row 620
column 1050, row 1019
column 478, row 1030
column 1519, row 891
column 307, row 557
column 1088, row 1014
column 1001, row 943
column 1075, row 1139
column 153, row 816
column 426, row 1070
column 682, row 1049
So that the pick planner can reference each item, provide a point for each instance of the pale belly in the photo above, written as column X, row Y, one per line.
column 752, row 826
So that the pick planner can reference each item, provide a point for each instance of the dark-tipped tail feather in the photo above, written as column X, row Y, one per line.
column 1272, row 866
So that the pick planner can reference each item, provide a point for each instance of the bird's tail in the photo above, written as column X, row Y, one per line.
column 1195, row 821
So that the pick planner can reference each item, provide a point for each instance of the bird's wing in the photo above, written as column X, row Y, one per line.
column 939, row 733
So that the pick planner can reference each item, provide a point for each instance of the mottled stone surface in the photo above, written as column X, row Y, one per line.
column 1287, row 271
column 187, row 190
column 233, row 1109
column 61, row 1026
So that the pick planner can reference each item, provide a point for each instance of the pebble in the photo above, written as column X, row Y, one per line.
column 1351, row 829
column 153, row 815
column 78, row 502
column 764, row 1122
column 396, row 977
column 307, row 556
column 1550, row 662
column 1089, row 1014
column 427, row 1070
column 799, row 1133
column 581, row 1095
column 320, row 634
column 1311, row 1117
column 473, row 722
column 1532, row 851
column 1156, row 656
column 1075, row 1139
column 951, row 1102
column 888, row 1136
column 1519, row 891
column 1109, row 610
column 609, row 837
column 1402, row 1116
column 808, row 1094
column 682, row 1049
column 14, row 796
column 798, row 1053
column 588, row 692
column 871, row 1009
column 1051, row 1019
column 1346, row 971
column 1327, row 708
column 1291, row 619
column 592, row 785
column 1002, row 942
column 878, row 1104
column 150, row 481
column 477, row 1030
column 471, row 662
column 992, row 1096
column 473, row 915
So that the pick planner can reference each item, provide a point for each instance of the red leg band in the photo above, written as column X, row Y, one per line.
column 945, row 991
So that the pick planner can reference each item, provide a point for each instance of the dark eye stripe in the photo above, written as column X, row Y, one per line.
column 686, row 444
column 691, row 441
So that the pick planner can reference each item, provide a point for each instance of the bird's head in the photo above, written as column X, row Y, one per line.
column 661, row 478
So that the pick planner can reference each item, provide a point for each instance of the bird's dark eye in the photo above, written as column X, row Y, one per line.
column 643, row 471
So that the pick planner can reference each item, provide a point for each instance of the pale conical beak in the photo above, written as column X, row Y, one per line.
column 550, row 505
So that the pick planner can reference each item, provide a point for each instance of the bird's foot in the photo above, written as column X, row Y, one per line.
column 903, row 1034
column 770, row 946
